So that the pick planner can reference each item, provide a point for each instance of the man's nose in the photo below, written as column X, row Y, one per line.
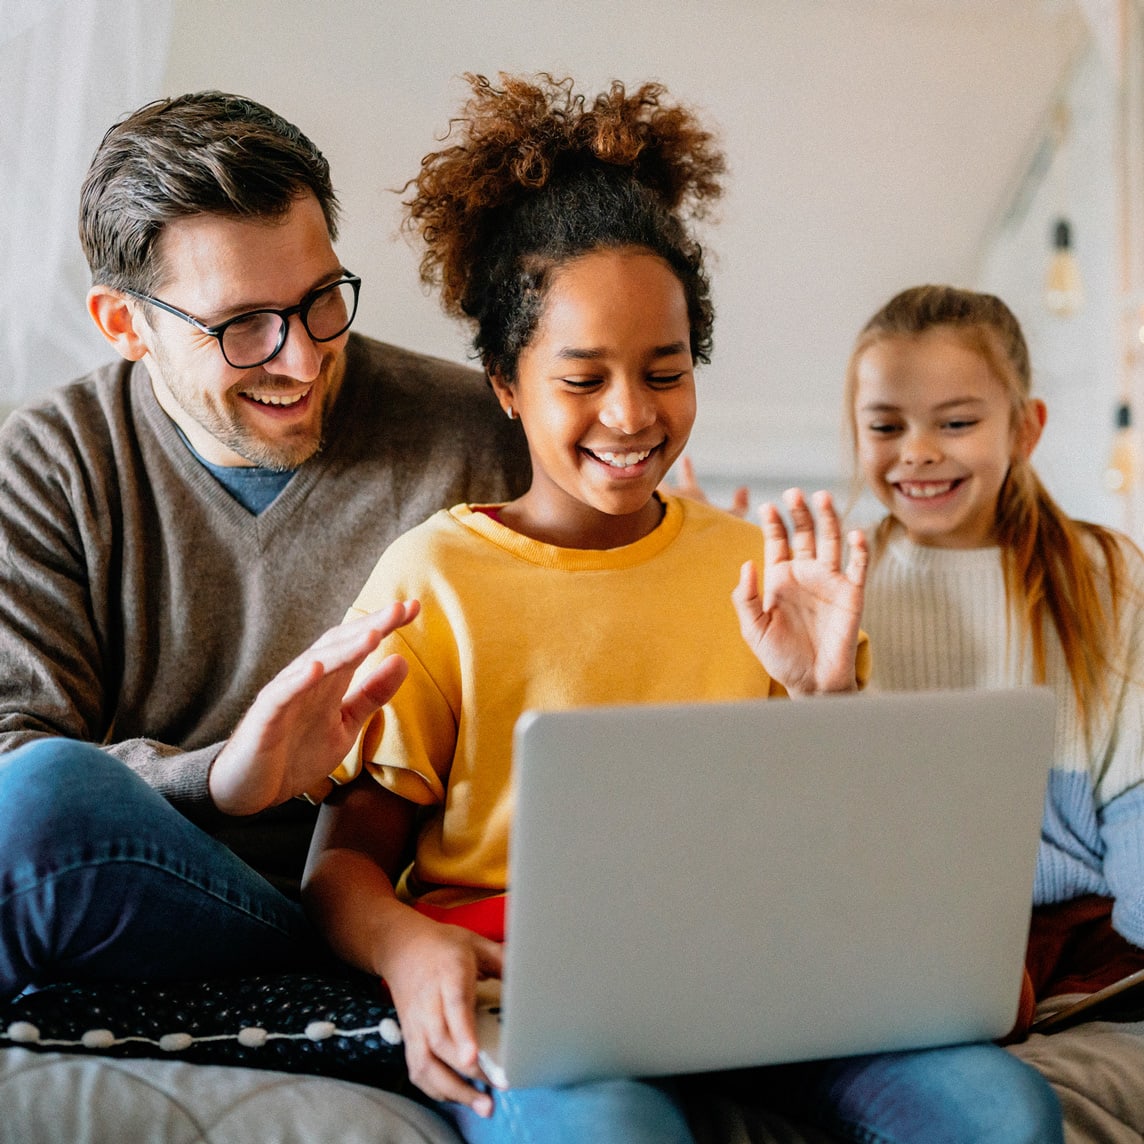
column 300, row 356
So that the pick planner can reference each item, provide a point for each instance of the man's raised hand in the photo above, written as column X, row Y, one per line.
column 303, row 721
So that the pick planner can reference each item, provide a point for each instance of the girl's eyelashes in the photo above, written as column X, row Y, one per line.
column 886, row 428
column 661, row 381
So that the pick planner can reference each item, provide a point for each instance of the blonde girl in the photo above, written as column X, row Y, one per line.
column 979, row 579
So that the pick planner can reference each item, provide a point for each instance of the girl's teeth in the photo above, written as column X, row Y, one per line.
column 623, row 460
column 925, row 492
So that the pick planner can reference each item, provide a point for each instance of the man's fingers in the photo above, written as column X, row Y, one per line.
column 356, row 638
column 341, row 650
column 399, row 614
column 376, row 690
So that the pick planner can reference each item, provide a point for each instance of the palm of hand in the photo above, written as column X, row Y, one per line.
column 304, row 720
column 809, row 642
column 804, row 626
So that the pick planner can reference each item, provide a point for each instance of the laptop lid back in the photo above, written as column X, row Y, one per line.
column 709, row 886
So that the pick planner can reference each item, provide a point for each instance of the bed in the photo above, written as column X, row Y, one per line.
column 296, row 1059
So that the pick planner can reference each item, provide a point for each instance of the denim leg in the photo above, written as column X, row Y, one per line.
column 603, row 1112
column 102, row 879
column 960, row 1094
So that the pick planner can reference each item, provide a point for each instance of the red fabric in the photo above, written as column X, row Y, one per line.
column 1026, row 1011
column 1072, row 949
column 485, row 917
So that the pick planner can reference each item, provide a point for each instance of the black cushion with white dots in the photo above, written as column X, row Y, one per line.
column 292, row 1022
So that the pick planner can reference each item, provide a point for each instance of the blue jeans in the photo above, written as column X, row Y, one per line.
column 963, row 1094
column 623, row 1111
column 102, row 879
column 958, row 1094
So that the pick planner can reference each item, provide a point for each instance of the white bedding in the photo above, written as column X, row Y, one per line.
column 53, row 1098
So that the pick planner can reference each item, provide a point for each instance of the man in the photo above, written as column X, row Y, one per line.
column 176, row 533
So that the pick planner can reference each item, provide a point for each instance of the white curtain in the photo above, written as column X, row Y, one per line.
column 68, row 70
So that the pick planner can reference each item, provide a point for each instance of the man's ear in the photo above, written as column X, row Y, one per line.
column 1029, row 428
column 115, row 318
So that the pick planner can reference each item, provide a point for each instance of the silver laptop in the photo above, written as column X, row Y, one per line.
column 711, row 886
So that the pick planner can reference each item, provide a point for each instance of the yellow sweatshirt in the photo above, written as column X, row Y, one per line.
column 508, row 624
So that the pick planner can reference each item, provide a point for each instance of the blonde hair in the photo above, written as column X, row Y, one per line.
column 1049, row 569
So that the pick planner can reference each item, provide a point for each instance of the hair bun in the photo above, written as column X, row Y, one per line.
column 515, row 139
column 534, row 174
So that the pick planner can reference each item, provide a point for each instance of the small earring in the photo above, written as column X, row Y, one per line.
column 511, row 413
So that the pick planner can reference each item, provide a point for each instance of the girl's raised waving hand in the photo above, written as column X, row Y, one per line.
column 804, row 625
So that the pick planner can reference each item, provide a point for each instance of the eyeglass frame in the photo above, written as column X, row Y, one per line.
column 301, row 309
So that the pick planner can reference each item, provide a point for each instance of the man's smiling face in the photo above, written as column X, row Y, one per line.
column 218, row 266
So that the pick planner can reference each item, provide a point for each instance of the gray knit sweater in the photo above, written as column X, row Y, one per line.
column 142, row 607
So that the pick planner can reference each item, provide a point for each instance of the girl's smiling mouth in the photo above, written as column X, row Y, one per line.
column 927, row 490
column 621, row 459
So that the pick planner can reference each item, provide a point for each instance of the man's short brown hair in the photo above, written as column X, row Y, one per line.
column 203, row 153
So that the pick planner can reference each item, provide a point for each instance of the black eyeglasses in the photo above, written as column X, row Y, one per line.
column 252, row 339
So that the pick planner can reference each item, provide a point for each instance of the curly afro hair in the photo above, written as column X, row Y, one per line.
column 541, row 175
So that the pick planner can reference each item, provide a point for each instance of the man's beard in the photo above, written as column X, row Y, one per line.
column 222, row 417
column 280, row 455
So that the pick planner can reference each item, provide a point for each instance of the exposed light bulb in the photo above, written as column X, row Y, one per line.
column 1120, row 472
column 1064, row 293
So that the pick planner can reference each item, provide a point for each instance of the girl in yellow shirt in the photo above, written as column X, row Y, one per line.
column 556, row 225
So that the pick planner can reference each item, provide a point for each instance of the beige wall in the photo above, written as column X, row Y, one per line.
column 872, row 143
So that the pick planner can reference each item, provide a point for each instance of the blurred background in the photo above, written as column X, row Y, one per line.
column 873, row 145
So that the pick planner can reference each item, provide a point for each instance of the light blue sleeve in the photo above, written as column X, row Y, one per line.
column 1122, row 831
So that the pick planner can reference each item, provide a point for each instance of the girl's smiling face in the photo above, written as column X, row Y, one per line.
column 936, row 435
column 605, row 391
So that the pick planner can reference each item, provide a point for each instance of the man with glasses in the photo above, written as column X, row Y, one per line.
column 178, row 531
